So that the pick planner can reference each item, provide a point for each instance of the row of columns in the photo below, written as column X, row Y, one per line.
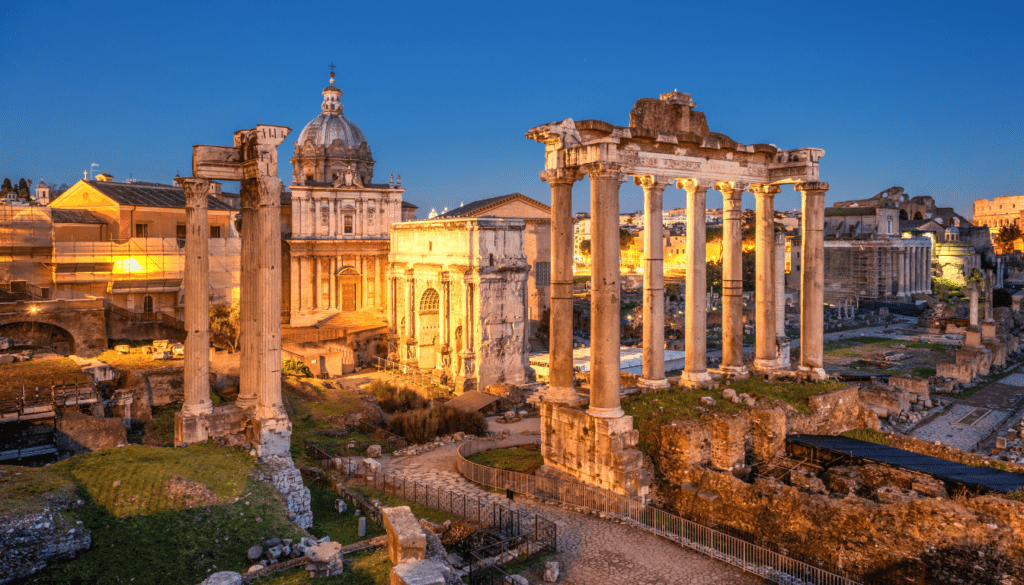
column 605, row 289
column 260, row 302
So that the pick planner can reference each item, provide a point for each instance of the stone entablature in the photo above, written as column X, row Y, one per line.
column 457, row 299
column 344, row 213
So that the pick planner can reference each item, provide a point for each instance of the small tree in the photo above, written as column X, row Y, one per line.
column 225, row 321
column 625, row 239
column 6, row 187
column 585, row 248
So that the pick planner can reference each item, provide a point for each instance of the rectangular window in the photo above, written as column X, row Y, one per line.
column 348, row 224
column 141, row 230
column 179, row 231
column 214, row 231
column 543, row 273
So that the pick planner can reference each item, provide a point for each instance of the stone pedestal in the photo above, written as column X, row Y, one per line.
column 190, row 429
column 595, row 451
column 271, row 436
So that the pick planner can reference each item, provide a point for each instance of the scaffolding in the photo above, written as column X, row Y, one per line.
column 26, row 243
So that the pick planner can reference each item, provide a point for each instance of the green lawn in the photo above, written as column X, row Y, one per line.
column 388, row 500
column 177, row 515
column 41, row 373
column 343, row 528
column 842, row 347
column 27, row 489
column 159, row 432
column 524, row 459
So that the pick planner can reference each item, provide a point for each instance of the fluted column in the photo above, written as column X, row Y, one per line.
column 333, row 283
column 926, row 268
column 812, row 286
column 902, row 268
column 410, row 315
column 268, row 300
column 561, row 380
column 732, row 278
column 766, row 356
column 915, row 263
column 695, row 372
column 197, row 298
column 653, row 375
column 605, row 291
column 248, row 297
column 779, row 267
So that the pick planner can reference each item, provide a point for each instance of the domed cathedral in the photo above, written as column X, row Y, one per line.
column 339, row 239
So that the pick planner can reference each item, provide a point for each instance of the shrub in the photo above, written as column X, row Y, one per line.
column 420, row 426
column 393, row 399
column 292, row 367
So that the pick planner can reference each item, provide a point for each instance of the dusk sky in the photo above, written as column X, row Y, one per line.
column 927, row 96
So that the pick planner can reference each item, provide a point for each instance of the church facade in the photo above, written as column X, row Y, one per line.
column 338, row 245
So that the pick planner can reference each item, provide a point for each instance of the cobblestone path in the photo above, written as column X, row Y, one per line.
column 591, row 551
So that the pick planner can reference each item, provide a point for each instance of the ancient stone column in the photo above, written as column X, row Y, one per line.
column 295, row 278
column 812, row 286
column 247, row 297
column 779, row 267
column 973, row 287
column 653, row 375
column 695, row 372
column 766, row 354
column 410, row 316
column 560, row 341
column 318, row 302
column 197, row 302
column 989, row 287
column 268, row 300
column 903, row 269
column 604, row 298
column 732, row 278
column 926, row 268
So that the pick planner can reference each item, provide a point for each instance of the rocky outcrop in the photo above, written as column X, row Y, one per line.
column 28, row 542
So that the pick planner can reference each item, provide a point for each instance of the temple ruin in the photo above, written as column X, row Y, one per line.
column 666, row 143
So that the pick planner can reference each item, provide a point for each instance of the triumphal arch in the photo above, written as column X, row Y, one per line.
column 666, row 143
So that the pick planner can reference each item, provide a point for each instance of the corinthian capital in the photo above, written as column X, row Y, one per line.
column 762, row 190
column 196, row 191
column 694, row 185
column 565, row 176
column 649, row 182
column 731, row 189
column 602, row 170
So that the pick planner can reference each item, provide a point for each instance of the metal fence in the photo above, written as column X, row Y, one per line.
column 510, row 523
column 768, row 564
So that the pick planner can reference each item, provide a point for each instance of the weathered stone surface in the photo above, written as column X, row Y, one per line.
column 325, row 559
column 80, row 433
column 807, row 480
column 406, row 540
column 223, row 578
column 288, row 481
column 29, row 542
column 373, row 451
column 551, row 571
column 254, row 554
column 422, row 572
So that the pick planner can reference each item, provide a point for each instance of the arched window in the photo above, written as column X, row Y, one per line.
column 430, row 301
column 147, row 304
column 903, row 215
column 918, row 215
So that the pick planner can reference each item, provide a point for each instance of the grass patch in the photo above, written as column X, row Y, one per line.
column 869, row 435
column 176, row 547
column 840, row 347
column 343, row 528
column 136, row 362
column 310, row 419
column 421, row 511
column 922, row 372
column 157, row 479
column 523, row 459
column 160, row 431
column 366, row 569
column 25, row 490
column 41, row 373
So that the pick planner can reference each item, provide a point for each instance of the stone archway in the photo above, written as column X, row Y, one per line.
column 40, row 334
column 428, row 328
column 903, row 215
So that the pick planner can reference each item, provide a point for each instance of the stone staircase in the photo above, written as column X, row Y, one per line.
column 532, row 392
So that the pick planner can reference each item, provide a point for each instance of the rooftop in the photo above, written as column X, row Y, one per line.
column 141, row 194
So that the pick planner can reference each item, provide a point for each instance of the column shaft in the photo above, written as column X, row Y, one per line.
column 766, row 350
column 296, row 278
column 654, row 286
column 695, row 371
column 197, row 299
column 248, row 359
column 901, row 271
column 561, row 379
column 732, row 279
column 812, row 286
column 268, row 310
column 604, row 299
column 779, row 269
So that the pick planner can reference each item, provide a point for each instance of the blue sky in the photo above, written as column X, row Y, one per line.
column 927, row 96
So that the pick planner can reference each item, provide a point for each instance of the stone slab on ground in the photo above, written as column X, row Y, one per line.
column 406, row 541
column 962, row 426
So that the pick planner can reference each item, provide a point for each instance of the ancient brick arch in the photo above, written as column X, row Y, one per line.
column 85, row 322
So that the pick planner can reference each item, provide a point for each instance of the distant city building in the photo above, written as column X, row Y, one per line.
column 999, row 212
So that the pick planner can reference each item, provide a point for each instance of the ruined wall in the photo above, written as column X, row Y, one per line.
column 155, row 387
column 80, row 433
column 28, row 542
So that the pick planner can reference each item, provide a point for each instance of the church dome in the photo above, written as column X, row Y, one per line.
column 331, row 146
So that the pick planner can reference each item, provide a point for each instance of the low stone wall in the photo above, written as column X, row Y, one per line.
column 288, row 481
column 81, row 433
column 155, row 387
column 29, row 542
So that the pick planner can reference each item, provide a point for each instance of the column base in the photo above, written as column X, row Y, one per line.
column 201, row 408
column 272, row 436
column 246, row 402
column 813, row 373
column 769, row 366
column 655, row 384
column 696, row 379
column 734, row 372
column 564, row 396
column 608, row 413
column 190, row 429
